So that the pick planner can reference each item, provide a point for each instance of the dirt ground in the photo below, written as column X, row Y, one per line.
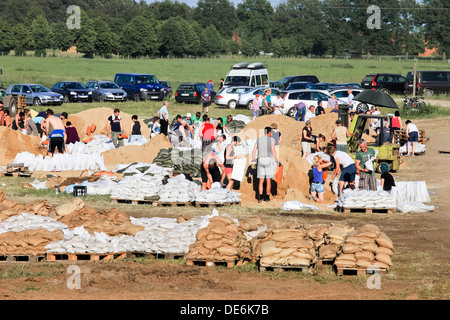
column 420, row 258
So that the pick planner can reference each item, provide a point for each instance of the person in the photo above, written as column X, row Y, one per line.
column 206, row 99
column 163, row 114
column 188, row 118
column 255, row 107
column 318, row 184
column 38, row 120
column 412, row 134
column 55, row 130
column 276, row 135
column 7, row 119
column 64, row 116
column 309, row 114
column 212, row 170
column 340, row 134
column 220, row 126
column 364, row 157
column 344, row 165
column 319, row 143
column 32, row 129
column 301, row 110
column 218, row 146
column 268, row 92
column 197, row 118
column 178, row 128
column 207, row 133
column 229, row 157
column 188, row 125
column 396, row 123
column 154, row 127
column 306, row 139
column 2, row 115
column 72, row 133
column 19, row 121
column 350, row 99
column 135, row 129
column 319, row 110
column 221, row 84
column 332, row 102
column 210, row 85
column 278, row 104
column 114, row 127
column 386, row 180
column 264, row 106
column 264, row 152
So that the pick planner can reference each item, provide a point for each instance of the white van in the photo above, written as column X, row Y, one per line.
column 244, row 74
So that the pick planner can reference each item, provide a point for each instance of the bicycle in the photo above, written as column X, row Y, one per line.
column 411, row 104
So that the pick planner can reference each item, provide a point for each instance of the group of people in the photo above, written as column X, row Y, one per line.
column 264, row 104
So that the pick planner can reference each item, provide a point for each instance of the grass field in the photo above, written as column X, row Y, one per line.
column 48, row 71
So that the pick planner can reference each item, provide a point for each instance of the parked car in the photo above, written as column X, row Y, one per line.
column 36, row 94
column 191, row 92
column 229, row 96
column 244, row 74
column 341, row 94
column 322, row 86
column 140, row 86
column 73, row 91
column 246, row 98
column 106, row 91
column 428, row 82
column 307, row 96
column 386, row 82
column 167, row 88
column 347, row 85
column 276, row 85
column 287, row 80
column 299, row 85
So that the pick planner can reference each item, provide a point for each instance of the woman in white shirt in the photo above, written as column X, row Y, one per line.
column 413, row 137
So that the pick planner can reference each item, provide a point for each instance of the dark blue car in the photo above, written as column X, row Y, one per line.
column 140, row 86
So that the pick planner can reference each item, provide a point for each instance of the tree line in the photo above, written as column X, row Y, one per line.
column 215, row 27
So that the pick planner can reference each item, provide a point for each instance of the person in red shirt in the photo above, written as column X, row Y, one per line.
column 207, row 133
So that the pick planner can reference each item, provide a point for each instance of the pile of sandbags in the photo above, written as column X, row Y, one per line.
column 179, row 189
column 333, row 238
column 235, row 126
column 182, row 160
column 28, row 242
column 150, row 169
column 221, row 240
column 28, row 221
column 420, row 148
column 285, row 247
column 137, row 187
column 217, row 194
column 61, row 161
column 366, row 199
column 365, row 247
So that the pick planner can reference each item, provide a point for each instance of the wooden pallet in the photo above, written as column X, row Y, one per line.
column 321, row 262
column 85, row 256
column 25, row 174
column 213, row 263
column 215, row 204
column 21, row 258
column 342, row 271
column 128, row 201
column 303, row 269
column 367, row 210
column 164, row 256
column 174, row 204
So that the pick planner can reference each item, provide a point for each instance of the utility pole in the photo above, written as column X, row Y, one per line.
column 414, row 78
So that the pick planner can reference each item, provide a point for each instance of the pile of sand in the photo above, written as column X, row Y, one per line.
column 129, row 154
column 14, row 142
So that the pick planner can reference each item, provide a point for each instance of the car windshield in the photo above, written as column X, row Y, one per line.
column 285, row 80
column 186, row 87
column 368, row 78
column 109, row 85
column 146, row 80
column 75, row 85
column 39, row 88
column 237, row 80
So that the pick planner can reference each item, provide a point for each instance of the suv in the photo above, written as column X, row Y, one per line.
column 286, row 81
column 139, row 86
column 386, row 82
column 428, row 82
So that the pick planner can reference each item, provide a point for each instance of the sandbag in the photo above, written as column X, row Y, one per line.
column 384, row 241
column 65, row 209
column 384, row 258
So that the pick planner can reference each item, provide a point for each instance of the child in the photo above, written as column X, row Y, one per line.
column 318, row 185
column 387, row 180
column 154, row 127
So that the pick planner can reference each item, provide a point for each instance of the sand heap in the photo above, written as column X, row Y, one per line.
column 295, row 184
column 129, row 154
column 14, row 142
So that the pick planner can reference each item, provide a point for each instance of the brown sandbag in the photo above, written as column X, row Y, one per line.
column 222, row 219
column 346, row 256
column 228, row 251
column 328, row 251
column 381, row 265
column 297, row 243
column 386, row 259
column 372, row 247
column 384, row 241
column 350, row 248
column 362, row 263
column 345, row 263
column 365, row 255
column 294, row 261
column 286, row 236
column 384, row 250
column 213, row 244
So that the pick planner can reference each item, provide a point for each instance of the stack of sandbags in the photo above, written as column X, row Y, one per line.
column 334, row 237
column 112, row 222
column 182, row 160
column 27, row 242
column 286, row 247
column 366, row 199
column 137, row 187
column 217, row 194
column 27, row 221
column 365, row 247
column 235, row 126
column 179, row 189
column 221, row 240
column 39, row 207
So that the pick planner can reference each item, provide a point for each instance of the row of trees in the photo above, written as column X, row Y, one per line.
column 293, row 27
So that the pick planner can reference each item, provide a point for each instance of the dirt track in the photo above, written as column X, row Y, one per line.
column 420, row 259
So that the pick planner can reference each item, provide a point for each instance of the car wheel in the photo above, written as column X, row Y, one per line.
column 66, row 98
column 37, row 102
column 291, row 113
column 232, row 104
column 428, row 92
column 101, row 98
column 13, row 107
column 250, row 105
column 136, row 97
column 384, row 90
column 362, row 107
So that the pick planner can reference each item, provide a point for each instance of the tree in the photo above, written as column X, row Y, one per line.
column 171, row 38
column 42, row 35
column 63, row 37
column 6, row 36
column 105, row 43
column 255, row 20
column 191, row 38
column 22, row 38
column 139, row 37
column 220, row 13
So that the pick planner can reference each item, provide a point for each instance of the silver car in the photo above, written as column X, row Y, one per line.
column 36, row 94
column 246, row 98
column 228, row 96
column 307, row 96
column 106, row 91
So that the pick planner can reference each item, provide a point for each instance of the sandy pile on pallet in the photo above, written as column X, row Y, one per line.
column 366, row 247
column 221, row 240
column 27, row 242
column 14, row 142
column 10, row 208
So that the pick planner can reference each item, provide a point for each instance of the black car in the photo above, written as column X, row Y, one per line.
column 73, row 91
column 191, row 92
column 428, row 82
column 286, row 81
column 386, row 82
column 299, row 85
column 167, row 88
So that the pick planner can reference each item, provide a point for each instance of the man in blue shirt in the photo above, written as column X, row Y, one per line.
column 206, row 99
column 210, row 85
